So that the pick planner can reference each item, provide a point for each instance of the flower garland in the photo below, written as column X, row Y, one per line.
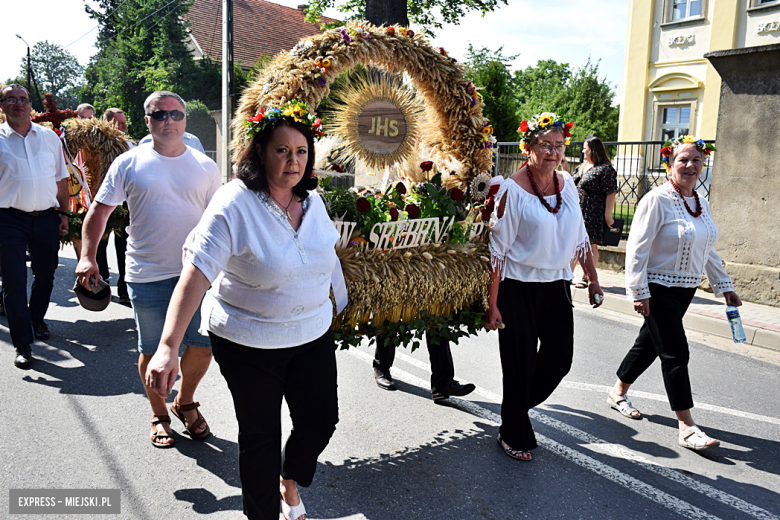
column 670, row 146
column 540, row 122
column 293, row 110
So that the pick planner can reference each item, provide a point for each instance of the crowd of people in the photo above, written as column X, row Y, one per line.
column 249, row 263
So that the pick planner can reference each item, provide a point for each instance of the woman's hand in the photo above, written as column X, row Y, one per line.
column 732, row 299
column 595, row 289
column 162, row 371
column 493, row 318
column 642, row 307
column 609, row 220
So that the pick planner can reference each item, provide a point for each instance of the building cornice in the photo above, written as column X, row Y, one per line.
column 693, row 61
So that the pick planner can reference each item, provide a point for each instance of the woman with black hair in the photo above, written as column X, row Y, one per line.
column 596, row 181
column 266, row 246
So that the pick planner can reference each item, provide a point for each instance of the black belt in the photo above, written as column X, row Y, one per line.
column 36, row 213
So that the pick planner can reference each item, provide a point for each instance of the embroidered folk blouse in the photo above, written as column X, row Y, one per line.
column 270, row 284
column 530, row 244
column 670, row 247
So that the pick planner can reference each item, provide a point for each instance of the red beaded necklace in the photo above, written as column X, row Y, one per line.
column 694, row 214
column 538, row 192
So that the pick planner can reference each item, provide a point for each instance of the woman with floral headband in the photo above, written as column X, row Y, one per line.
column 672, row 241
column 537, row 229
column 266, row 246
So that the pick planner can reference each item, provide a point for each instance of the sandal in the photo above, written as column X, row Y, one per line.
column 157, row 419
column 695, row 439
column 515, row 454
column 623, row 405
column 292, row 512
column 582, row 284
column 176, row 410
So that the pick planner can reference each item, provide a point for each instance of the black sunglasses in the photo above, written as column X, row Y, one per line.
column 162, row 115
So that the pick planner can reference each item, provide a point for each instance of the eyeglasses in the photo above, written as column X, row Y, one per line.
column 14, row 101
column 162, row 115
column 547, row 148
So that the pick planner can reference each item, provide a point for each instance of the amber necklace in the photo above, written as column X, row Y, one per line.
column 538, row 192
column 286, row 211
column 694, row 214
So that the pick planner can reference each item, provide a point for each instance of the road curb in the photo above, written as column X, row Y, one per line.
column 757, row 337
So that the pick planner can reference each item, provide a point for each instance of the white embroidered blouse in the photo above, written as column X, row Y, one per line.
column 670, row 247
column 270, row 284
column 530, row 244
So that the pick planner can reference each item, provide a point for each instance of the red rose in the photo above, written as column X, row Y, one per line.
column 317, row 122
column 456, row 194
column 523, row 127
column 493, row 190
column 393, row 214
column 426, row 166
column 363, row 205
column 400, row 188
column 412, row 210
column 491, row 204
column 336, row 168
column 485, row 214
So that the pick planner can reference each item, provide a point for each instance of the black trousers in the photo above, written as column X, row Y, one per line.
column 536, row 347
column 258, row 379
column 662, row 335
column 102, row 259
column 442, row 367
column 20, row 233
column 120, row 244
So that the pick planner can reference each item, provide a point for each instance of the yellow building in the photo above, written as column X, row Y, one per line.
column 669, row 89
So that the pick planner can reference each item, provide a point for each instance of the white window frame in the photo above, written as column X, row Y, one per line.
column 763, row 3
column 669, row 11
column 658, row 106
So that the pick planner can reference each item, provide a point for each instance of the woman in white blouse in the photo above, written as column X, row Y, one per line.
column 671, row 243
column 266, row 246
column 535, row 234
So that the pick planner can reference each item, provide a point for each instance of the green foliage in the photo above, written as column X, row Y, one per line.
column 57, row 71
column 201, row 123
column 428, row 14
column 491, row 71
column 579, row 95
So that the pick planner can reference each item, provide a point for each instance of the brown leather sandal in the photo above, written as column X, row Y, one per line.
column 157, row 419
column 176, row 410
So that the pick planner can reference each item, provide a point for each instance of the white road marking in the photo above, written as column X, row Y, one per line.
column 658, row 397
column 656, row 495
column 614, row 450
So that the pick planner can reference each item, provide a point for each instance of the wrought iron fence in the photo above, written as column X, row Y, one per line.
column 638, row 165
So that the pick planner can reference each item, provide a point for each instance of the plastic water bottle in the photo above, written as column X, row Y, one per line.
column 737, row 332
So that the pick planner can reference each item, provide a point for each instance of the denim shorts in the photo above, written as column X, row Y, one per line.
column 150, row 304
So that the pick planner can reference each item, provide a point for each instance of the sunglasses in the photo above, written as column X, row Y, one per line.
column 162, row 115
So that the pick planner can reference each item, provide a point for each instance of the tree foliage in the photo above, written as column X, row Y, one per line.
column 579, row 95
column 57, row 71
column 490, row 72
column 201, row 123
column 428, row 14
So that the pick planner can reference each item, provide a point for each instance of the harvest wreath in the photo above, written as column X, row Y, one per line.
column 413, row 255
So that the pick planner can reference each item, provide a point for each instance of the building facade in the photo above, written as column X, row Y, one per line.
column 669, row 88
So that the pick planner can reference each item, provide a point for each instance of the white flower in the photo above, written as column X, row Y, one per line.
column 480, row 186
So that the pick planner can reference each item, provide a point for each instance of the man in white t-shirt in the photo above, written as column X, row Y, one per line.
column 167, row 186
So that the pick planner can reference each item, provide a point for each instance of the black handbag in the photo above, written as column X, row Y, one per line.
column 612, row 236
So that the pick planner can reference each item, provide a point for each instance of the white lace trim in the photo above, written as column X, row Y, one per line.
column 582, row 248
column 674, row 279
column 721, row 287
column 637, row 293
column 496, row 261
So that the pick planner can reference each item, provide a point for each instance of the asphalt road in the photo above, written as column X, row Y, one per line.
column 79, row 420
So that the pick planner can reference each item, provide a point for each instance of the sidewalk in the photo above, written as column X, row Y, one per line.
column 706, row 313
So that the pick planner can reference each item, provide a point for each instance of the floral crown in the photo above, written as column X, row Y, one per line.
column 538, row 123
column 670, row 146
column 293, row 110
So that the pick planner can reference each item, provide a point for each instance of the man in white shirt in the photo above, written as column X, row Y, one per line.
column 189, row 139
column 33, row 185
column 167, row 186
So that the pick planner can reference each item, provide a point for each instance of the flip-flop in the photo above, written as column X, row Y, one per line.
column 176, row 410
column 161, row 435
column 582, row 284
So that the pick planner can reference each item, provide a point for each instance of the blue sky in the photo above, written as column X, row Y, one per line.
column 567, row 31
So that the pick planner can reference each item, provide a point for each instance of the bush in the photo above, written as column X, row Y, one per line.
column 201, row 123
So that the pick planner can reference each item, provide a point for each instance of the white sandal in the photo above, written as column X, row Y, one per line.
column 623, row 405
column 695, row 439
column 292, row 512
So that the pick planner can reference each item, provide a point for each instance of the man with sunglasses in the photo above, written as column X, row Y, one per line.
column 167, row 186
column 189, row 139
column 33, row 185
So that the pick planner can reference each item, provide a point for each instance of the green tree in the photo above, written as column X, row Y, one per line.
column 490, row 70
column 428, row 14
column 57, row 71
column 201, row 123
column 579, row 95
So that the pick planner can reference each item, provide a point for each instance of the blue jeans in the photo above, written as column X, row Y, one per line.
column 150, row 304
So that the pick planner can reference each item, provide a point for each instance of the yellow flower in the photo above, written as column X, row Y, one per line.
column 568, row 141
column 689, row 139
column 545, row 121
column 288, row 111
column 403, row 30
column 326, row 62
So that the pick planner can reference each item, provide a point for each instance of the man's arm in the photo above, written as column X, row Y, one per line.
column 63, row 194
column 91, row 231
